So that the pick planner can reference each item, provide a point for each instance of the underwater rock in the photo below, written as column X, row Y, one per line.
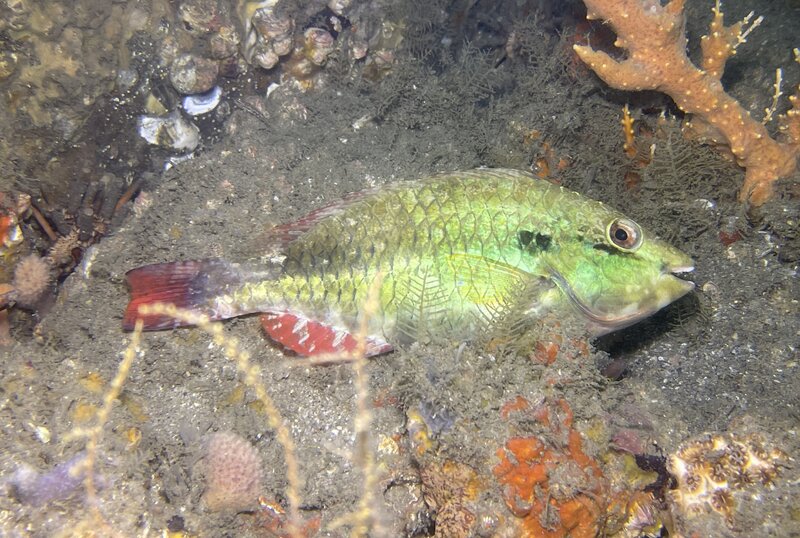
column 8, row 64
column 127, row 79
column 224, row 43
column 319, row 44
column 190, row 74
column 170, row 131
column 200, row 16
column 338, row 6
column 265, row 57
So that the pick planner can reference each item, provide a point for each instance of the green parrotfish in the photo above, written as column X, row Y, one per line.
column 456, row 253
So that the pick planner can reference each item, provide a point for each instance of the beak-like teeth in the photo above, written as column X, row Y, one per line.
column 680, row 272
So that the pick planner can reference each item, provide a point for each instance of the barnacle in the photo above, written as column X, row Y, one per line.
column 267, row 35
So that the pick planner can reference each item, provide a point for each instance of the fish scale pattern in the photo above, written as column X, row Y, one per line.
column 409, row 233
column 459, row 252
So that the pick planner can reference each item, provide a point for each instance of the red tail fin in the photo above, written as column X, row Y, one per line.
column 191, row 285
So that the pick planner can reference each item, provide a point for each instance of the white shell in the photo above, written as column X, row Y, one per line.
column 202, row 103
column 338, row 6
column 170, row 131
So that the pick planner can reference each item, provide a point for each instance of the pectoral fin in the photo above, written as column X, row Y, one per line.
column 484, row 281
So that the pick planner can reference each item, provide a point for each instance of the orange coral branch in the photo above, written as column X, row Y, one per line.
column 654, row 38
column 627, row 130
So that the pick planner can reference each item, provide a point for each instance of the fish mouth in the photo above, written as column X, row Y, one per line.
column 671, row 285
column 679, row 275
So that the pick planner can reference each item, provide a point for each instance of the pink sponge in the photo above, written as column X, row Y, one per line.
column 233, row 472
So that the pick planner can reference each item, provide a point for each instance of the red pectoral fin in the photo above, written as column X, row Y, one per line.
column 308, row 337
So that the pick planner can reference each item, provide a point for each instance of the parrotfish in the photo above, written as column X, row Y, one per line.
column 455, row 253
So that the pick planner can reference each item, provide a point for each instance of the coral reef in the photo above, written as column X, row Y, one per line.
column 654, row 38
column 233, row 472
column 416, row 115
column 713, row 470
column 556, row 487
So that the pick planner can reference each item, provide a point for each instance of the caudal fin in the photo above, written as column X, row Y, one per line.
column 191, row 285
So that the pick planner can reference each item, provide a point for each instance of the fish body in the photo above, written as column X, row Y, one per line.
column 456, row 253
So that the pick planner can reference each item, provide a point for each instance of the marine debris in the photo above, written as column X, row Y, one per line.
column 654, row 38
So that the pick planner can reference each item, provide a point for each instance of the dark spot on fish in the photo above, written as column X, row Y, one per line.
column 543, row 241
column 525, row 237
column 533, row 241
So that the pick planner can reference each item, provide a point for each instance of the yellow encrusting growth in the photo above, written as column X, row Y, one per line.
column 653, row 36
column 713, row 470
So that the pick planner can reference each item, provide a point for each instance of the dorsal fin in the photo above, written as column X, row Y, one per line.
column 278, row 237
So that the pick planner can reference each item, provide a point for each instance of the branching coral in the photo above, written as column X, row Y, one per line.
column 655, row 41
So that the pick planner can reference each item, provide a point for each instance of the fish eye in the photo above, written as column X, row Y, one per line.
column 625, row 234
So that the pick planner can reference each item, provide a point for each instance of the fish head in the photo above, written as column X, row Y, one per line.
column 613, row 271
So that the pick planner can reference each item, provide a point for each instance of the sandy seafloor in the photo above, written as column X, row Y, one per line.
column 722, row 360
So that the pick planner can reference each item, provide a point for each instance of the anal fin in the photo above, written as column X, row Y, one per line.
column 308, row 337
